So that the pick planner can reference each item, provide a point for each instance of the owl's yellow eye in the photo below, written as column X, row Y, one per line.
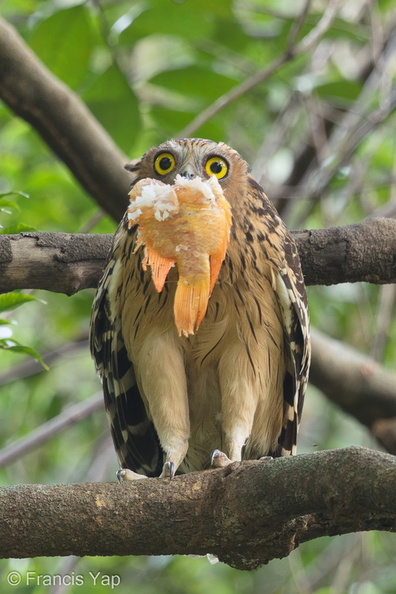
column 216, row 166
column 164, row 163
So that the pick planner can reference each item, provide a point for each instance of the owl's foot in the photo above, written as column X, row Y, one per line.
column 219, row 459
column 125, row 474
column 168, row 470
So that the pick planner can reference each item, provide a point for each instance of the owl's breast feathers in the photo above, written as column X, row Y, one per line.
column 244, row 330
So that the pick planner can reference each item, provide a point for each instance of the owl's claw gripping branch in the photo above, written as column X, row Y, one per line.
column 219, row 459
column 125, row 474
column 168, row 470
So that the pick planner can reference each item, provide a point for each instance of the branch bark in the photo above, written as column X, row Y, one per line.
column 59, row 262
column 360, row 252
column 63, row 121
column 246, row 514
column 67, row 263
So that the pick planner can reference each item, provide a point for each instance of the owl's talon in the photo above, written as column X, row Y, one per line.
column 219, row 459
column 168, row 470
column 125, row 474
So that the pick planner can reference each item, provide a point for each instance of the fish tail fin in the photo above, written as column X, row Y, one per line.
column 191, row 303
column 160, row 267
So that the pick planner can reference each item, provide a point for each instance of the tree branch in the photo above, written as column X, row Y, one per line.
column 358, row 384
column 363, row 251
column 67, row 263
column 349, row 490
column 59, row 262
column 306, row 161
column 63, row 121
column 73, row 414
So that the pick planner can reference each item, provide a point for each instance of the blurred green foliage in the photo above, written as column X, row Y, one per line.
column 146, row 68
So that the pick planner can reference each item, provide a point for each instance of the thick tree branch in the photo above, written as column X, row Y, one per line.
column 59, row 262
column 63, row 121
column 364, row 251
column 67, row 263
column 249, row 513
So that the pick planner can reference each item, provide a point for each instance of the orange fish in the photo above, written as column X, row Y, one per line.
column 187, row 224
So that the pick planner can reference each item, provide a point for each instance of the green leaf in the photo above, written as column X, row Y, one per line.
column 114, row 103
column 168, row 123
column 64, row 42
column 15, row 347
column 195, row 81
column 12, row 300
column 5, row 204
column 228, row 32
column 353, row 30
column 16, row 193
column 14, row 229
column 341, row 91
column 171, row 18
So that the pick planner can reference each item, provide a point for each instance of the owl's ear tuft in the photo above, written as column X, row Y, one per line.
column 133, row 165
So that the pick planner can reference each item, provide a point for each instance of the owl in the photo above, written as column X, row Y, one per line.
column 200, row 329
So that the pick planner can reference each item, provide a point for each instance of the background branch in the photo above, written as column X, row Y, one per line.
column 69, row 416
column 310, row 176
column 350, row 490
column 293, row 50
column 358, row 384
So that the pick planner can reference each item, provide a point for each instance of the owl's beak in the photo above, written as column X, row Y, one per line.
column 189, row 172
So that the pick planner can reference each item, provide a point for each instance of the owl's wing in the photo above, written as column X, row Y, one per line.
column 133, row 433
column 292, row 297
column 288, row 283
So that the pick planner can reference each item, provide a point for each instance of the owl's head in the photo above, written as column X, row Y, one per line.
column 191, row 157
